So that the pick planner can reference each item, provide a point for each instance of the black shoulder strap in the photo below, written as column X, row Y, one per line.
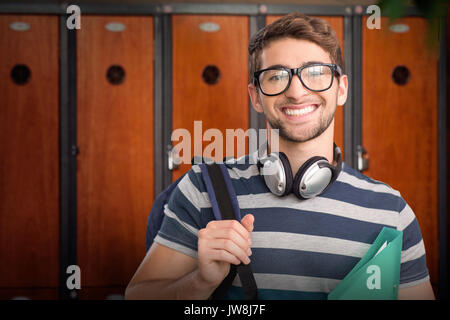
column 226, row 209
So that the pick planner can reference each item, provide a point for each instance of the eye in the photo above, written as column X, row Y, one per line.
column 278, row 75
column 275, row 77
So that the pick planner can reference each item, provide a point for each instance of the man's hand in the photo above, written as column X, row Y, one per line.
column 220, row 244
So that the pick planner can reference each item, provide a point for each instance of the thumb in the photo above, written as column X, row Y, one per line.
column 247, row 221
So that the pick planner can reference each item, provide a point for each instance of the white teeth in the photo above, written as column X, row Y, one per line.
column 299, row 112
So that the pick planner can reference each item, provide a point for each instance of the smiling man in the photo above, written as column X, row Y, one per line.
column 301, row 237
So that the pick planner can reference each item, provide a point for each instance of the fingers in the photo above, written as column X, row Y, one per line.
column 247, row 221
column 236, row 237
column 222, row 250
column 226, row 240
column 231, row 247
column 229, row 224
column 223, row 255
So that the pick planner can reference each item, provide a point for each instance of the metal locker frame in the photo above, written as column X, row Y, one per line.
column 442, row 165
column 68, row 153
column 163, row 100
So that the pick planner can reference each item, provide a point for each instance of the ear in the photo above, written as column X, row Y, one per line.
column 342, row 90
column 254, row 97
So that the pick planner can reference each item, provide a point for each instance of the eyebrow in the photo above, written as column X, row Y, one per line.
column 302, row 65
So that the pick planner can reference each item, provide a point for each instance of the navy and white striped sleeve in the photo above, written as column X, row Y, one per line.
column 413, row 270
column 183, row 215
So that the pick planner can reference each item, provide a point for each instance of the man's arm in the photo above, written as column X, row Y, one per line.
column 423, row 291
column 167, row 274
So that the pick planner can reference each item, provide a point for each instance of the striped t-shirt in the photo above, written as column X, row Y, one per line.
column 300, row 249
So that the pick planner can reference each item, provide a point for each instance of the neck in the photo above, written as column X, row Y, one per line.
column 299, row 152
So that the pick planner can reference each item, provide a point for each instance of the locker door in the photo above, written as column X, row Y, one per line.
column 29, row 161
column 210, row 76
column 115, row 138
column 399, row 120
column 337, row 24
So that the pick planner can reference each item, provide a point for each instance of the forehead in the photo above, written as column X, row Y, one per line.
column 292, row 53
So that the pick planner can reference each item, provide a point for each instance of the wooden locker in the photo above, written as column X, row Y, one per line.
column 29, row 294
column 29, row 161
column 210, row 76
column 337, row 24
column 115, row 139
column 399, row 119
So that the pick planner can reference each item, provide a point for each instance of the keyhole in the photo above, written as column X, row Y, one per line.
column 20, row 74
column 211, row 74
column 115, row 74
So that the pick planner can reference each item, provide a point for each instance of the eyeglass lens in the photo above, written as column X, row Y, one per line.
column 315, row 78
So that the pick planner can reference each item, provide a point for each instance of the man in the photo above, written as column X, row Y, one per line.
column 299, row 249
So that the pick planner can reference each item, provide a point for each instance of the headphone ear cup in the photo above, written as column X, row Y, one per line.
column 277, row 173
column 300, row 174
column 288, row 172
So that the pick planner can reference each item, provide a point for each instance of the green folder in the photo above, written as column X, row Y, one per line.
column 376, row 276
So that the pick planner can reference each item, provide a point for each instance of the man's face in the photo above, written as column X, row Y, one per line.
column 298, row 113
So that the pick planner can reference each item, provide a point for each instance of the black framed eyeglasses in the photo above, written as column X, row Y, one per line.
column 315, row 77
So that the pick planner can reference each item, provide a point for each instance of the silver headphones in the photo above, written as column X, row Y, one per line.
column 314, row 177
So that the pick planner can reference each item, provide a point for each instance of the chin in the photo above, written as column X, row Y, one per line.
column 303, row 136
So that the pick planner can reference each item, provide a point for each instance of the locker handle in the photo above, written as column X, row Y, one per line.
column 75, row 150
column 173, row 162
column 363, row 158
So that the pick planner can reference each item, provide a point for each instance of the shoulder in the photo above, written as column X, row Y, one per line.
column 193, row 184
column 190, row 191
column 371, row 198
column 368, row 192
column 242, row 168
column 359, row 180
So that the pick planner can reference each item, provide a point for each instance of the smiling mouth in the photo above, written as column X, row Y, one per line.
column 299, row 111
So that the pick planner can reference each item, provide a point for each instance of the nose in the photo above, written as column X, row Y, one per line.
column 296, row 90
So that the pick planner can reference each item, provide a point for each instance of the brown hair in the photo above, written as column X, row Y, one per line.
column 298, row 26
